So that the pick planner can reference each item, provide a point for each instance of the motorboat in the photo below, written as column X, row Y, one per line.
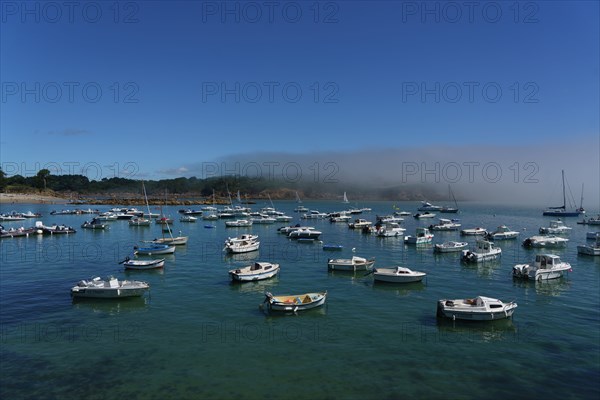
column 17, row 232
column 286, row 230
column 503, row 232
column 189, row 211
column 422, row 236
column 143, row 264
column 383, row 219
column 339, row 217
column 590, row 250
column 545, row 266
column 359, row 223
column 426, row 206
column 424, row 214
column 139, row 221
column 398, row 275
column 479, row 308
column 57, row 229
column 590, row 221
column 109, row 289
column 545, row 241
column 301, row 209
column 238, row 223
column 305, row 233
column 254, row 272
column 107, row 216
column 154, row 249
column 11, row 217
column 555, row 228
column 188, row 218
column 449, row 247
column 474, row 232
column 242, row 244
column 445, row 225
column 389, row 229
column 592, row 235
column 296, row 302
column 263, row 219
column 94, row 224
column 30, row 214
column 483, row 251
column 314, row 214
column 350, row 264
column 283, row 218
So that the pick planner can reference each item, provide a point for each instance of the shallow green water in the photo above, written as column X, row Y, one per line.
column 196, row 335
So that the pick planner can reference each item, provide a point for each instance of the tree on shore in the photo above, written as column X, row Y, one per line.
column 42, row 175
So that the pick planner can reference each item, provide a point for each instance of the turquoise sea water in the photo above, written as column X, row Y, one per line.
column 198, row 336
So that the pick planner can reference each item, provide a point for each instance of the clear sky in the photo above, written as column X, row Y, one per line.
column 155, row 88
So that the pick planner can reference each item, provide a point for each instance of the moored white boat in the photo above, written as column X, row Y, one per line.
column 545, row 266
column 188, row 218
column 424, row 214
column 473, row 231
column 426, row 206
column 445, row 225
column 483, row 251
column 350, row 264
column 359, row 223
column 590, row 250
column 545, row 241
column 555, row 228
column 110, row 288
column 398, row 275
column 502, row 233
column 238, row 223
column 296, row 302
column 304, row 233
column 94, row 224
column 449, row 247
column 479, row 308
column 154, row 249
column 389, row 229
column 254, row 272
column 242, row 244
column 143, row 264
column 422, row 236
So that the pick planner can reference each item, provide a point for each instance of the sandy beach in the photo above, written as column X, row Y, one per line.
column 22, row 198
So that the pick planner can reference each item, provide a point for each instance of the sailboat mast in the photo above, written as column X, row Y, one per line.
column 146, row 198
column 564, row 195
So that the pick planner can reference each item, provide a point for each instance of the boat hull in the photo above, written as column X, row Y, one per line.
column 251, row 277
column 294, row 303
column 393, row 278
column 476, row 313
column 140, row 265
column 588, row 250
column 348, row 265
column 107, row 293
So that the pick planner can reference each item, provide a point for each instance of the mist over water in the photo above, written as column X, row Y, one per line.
column 527, row 174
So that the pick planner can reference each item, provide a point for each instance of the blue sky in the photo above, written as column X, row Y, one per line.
column 372, row 75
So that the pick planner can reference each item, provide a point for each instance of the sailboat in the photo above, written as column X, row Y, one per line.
column 345, row 201
column 179, row 240
column 141, row 221
column 300, row 207
column 561, row 211
column 212, row 215
column 450, row 210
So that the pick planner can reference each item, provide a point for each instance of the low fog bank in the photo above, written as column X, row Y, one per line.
column 501, row 174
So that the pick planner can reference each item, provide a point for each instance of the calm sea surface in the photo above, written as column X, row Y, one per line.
column 196, row 335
